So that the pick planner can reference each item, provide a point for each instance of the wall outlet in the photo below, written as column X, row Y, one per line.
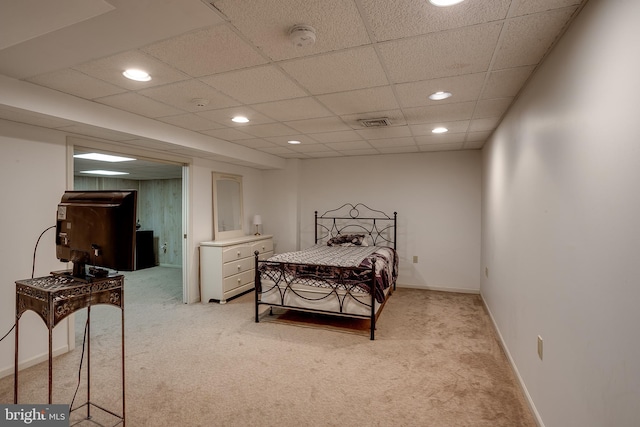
column 415, row 259
column 540, row 347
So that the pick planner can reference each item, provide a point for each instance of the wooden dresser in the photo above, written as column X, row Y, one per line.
column 227, row 266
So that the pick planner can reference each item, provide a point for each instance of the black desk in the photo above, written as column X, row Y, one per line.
column 55, row 297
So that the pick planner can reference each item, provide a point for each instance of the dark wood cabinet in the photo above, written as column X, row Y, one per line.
column 145, row 254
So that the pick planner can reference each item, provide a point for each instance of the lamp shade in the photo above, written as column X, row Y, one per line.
column 257, row 220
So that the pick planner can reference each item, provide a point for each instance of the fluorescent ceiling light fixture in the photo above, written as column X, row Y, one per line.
column 294, row 142
column 103, row 172
column 137, row 75
column 444, row 3
column 240, row 119
column 102, row 157
column 440, row 130
column 440, row 95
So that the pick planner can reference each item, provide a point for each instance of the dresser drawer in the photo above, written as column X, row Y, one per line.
column 235, row 267
column 232, row 282
column 262, row 246
column 236, row 252
column 265, row 256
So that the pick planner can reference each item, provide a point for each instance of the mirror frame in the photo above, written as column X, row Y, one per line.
column 229, row 234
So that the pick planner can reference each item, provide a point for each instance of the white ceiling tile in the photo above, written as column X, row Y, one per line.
column 284, row 140
column 228, row 134
column 492, row 108
column 527, row 39
column 277, row 150
column 478, row 136
column 384, row 132
column 462, row 88
column 255, row 143
column 476, row 145
column 425, row 129
column 268, row 130
column 323, row 154
column 139, row 104
column 440, row 113
column 350, row 145
column 478, row 125
column 326, row 137
column 293, row 109
column 393, row 142
column 338, row 71
column 267, row 23
column 224, row 116
column 447, row 138
column 404, row 18
column 310, row 148
column 110, row 70
column 182, row 95
column 360, row 101
column 255, row 85
column 212, row 50
column 361, row 152
column 506, row 83
column 441, row 147
column 525, row 7
column 325, row 124
column 190, row 121
column 397, row 150
column 76, row 83
column 456, row 52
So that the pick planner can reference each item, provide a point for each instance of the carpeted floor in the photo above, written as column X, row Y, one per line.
column 435, row 362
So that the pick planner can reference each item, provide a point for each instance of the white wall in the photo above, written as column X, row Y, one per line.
column 201, row 221
column 560, row 224
column 437, row 197
column 32, row 181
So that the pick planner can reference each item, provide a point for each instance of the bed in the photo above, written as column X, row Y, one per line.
column 350, row 271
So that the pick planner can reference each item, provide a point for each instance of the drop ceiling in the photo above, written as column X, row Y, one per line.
column 372, row 59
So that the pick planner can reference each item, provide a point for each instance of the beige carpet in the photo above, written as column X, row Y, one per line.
column 435, row 362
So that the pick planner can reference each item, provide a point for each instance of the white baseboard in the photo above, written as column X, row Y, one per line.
column 33, row 361
column 169, row 265
column 437, row 288
column 523, row 386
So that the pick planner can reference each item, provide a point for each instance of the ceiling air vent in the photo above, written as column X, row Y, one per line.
column 375, row 123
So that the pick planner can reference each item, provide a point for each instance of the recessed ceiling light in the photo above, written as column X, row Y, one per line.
column 294, row 142
column 440, row 130
column 240, row 119
column 137, row 75
column 440, row 95
column 102, row 157
column 444, row 3
column 104, row 172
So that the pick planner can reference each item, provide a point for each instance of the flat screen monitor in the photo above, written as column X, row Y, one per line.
column 96, row 231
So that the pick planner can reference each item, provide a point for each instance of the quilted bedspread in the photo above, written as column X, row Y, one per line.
column 341, row 267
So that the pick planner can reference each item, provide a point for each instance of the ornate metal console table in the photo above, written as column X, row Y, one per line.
column 54, row 298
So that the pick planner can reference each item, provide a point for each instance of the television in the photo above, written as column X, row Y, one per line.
column 96, row 231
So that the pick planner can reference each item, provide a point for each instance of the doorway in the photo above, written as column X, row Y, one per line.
column 161, row 206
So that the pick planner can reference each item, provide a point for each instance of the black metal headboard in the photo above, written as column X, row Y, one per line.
column 377, row 226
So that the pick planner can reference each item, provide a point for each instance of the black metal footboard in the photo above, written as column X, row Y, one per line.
column 340, row 284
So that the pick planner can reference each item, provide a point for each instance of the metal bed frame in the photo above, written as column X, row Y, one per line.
column 377, row 226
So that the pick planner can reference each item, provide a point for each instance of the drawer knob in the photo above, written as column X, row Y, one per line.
column 239, row 267
column 238, row 253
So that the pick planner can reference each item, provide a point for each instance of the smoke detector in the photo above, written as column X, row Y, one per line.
column 302, row 35
column 375, row 123
column 200, row 102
